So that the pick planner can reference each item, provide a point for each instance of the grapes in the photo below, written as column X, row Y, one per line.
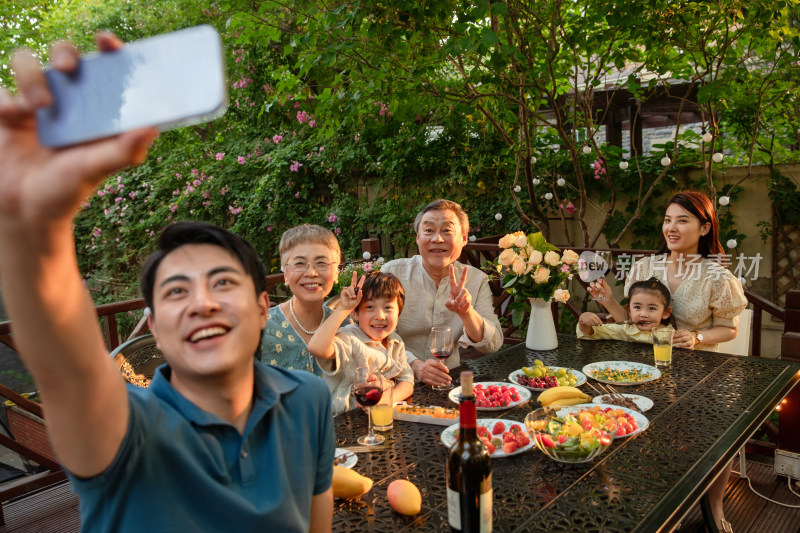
column 543, row 377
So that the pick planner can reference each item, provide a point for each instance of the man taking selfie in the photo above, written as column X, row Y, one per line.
column 218, row 442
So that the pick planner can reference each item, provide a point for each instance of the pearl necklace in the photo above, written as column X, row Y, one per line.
column 304, row 330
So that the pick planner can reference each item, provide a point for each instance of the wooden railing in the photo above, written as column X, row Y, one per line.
column 107, row 313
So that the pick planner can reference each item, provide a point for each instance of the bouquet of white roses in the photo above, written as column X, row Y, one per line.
column 533, row 268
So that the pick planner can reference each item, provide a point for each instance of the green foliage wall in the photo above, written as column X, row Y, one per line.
column 355, row 115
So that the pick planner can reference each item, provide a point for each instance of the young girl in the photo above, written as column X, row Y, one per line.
column 375, row 302
column 648, row 308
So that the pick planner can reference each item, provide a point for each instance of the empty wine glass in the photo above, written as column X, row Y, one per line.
column 441, row 346
column 367, row 390
column 604, row 261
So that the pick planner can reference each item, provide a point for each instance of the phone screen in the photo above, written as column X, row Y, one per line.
column 169, row 80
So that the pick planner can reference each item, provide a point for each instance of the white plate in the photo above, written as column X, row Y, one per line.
column 350, row 462
column 524, row 395
column 590, row 369
column 449, row 435
column 641, row 421
column 580, row 376
column 642, row 402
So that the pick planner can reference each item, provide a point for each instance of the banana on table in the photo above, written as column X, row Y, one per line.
column 562, row 396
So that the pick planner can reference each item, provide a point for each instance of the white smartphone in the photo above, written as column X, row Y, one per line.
column 169, row 80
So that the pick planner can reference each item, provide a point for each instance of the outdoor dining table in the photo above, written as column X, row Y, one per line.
column 706, row 405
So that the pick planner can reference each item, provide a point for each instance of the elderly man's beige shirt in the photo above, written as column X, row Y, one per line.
column 425, row 308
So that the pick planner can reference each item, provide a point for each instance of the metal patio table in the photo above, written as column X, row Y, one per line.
column 706, row 405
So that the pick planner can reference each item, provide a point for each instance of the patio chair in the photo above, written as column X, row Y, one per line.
column 741, row 344
column 138, row 359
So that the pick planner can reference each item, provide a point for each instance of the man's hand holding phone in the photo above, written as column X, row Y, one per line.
column 40, row 183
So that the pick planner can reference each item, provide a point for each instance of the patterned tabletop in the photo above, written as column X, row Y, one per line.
column 705, row 407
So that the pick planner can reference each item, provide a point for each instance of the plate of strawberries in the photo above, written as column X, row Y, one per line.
column 502, row 438
column 495, row 395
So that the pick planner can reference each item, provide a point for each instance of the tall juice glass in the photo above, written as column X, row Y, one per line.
column 662, row 345
column 382, row 414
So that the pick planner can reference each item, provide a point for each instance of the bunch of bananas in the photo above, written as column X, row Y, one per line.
column 562, row 396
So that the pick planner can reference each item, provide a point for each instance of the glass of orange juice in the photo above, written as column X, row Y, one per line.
column 662, row 345
column 383, row 413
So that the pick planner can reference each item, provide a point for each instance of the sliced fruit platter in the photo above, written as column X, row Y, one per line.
column 495, row 395
column 442, row 416
column 502, row 438
column 540, row 377
column 622, row 372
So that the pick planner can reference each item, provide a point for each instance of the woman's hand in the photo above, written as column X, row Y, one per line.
column 599, row 290
column 351, row 296
column 684, row 339
column 432, row 372
column 460, row 301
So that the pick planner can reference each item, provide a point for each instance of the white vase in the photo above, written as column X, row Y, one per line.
column 541, row 328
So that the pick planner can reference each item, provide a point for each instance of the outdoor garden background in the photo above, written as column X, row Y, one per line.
column 353, row 115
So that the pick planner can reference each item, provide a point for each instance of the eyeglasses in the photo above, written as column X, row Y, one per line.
column 320, row 266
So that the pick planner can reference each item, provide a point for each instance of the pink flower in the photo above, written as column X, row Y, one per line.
column 277, row 138
column 101, row 193
column 118, row 199
column 367, row 267
column 570, row 208
column 240, row 159
column 295, row 166
column 234, row 210
column 297, row 194
column 311, row 123
column 564, row 268
column 97, row 232
column 338, row 231
column 269, row 228
column 220, row 155
column 223, row 191
column 196, row 183
column 302, row 116
column 206, row 195
column 332, row 217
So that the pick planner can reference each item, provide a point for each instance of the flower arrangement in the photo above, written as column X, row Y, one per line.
column 533, row 268
column 346, row 274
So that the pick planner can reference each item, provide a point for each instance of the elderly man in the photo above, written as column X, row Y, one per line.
column 443, row 292
column 218, row 442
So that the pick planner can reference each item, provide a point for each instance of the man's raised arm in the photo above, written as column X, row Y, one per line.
column 53, row 319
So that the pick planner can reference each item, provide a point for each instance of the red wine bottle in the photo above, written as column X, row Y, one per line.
column 469, row 471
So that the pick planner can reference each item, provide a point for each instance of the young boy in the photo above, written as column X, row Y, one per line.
column 376, row 303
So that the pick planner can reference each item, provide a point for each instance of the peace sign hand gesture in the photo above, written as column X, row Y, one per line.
column 351, row 296
column 460, row 301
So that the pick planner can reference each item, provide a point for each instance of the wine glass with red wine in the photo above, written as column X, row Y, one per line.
column 367, row 389
column 441, row 348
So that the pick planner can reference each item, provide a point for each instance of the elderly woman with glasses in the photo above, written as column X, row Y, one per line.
column 310, row 258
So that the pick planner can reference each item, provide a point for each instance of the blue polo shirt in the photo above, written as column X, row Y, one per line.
column 182, row 469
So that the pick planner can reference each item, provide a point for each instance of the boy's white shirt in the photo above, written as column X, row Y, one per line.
column 352, row 348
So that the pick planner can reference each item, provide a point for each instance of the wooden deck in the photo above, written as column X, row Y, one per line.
column 55, row 510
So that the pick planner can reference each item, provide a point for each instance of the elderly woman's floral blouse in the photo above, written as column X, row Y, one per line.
column 282, row 346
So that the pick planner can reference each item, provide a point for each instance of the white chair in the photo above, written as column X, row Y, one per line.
column 741, row 344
